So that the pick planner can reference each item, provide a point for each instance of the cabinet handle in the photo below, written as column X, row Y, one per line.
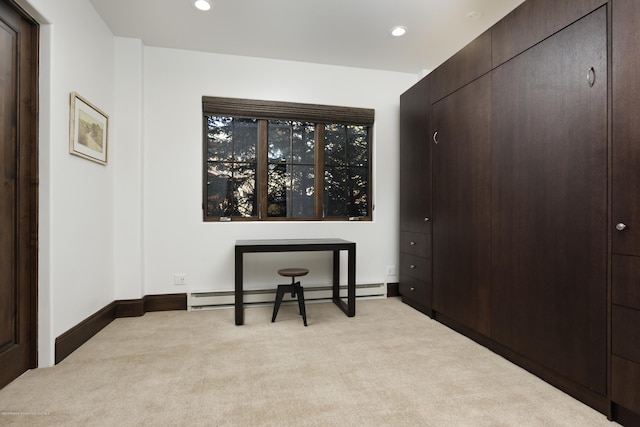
column 621, row 226
column 413, row 289
column 412, row 243
column 426, row 219
column 435, row 137
column 591, row 76
column 412, row 266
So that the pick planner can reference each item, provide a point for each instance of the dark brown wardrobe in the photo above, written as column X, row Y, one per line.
column 415, row 209
column 529, row 136
column 625, row 212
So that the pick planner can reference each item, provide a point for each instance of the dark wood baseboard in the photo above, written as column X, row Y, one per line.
column 624, row 416
column 166, row 302
column 138, row 307
column 393, row 290
column 421, row 308
column 69, row 341
column 595, row 400
column 129, row 308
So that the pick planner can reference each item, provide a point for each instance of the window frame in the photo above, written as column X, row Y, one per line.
column 263, row 111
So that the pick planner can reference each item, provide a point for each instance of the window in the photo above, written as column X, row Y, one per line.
column 285, row 161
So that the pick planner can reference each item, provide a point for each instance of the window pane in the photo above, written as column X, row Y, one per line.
column 335, row 191
column 346, row 171
column 291, row 169
column 346, row 192
column 279, row 140
column 245, row 197
column 219, row 190
column 335, row 144
column 357, row 204
column 358, row 145
column 232, row 146
column 303, row 142
column 302, row 192
column 278, row 183
column 219, row 138
column 245, row 139
column 231, row 190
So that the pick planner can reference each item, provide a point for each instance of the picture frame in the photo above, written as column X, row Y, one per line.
column 88, row 130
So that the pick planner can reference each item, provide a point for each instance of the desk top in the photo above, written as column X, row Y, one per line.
column 292, row 242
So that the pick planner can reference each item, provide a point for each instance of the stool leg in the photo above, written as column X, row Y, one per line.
column 303, row 311
column 296, row 292
column 279, row 295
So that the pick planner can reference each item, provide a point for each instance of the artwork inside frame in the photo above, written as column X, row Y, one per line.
column 88, row 130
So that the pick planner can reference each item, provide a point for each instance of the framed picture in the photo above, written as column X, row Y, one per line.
column 88, row 130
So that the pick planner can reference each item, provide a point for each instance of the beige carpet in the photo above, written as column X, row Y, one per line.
column 388, row 366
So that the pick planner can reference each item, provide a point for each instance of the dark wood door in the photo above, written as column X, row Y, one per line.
column 462, row 205
column 626, row 128
column 18, row 193
column 415, row 159
column 549, row 215
column 625, row 216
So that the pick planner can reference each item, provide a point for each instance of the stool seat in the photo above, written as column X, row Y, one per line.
column 295, row 288
column 293, row 272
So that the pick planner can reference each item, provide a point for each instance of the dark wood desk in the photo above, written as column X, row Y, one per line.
column 300, row 245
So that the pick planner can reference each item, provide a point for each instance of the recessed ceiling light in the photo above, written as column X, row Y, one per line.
column 474, row 14
column 398, row 31
column 202, row 4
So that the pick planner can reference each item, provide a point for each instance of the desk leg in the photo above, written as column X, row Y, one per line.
column 350, row 307
column 336, row 275
column 351, row 281
column 239, row 303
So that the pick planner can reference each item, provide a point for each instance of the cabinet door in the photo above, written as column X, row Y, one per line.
column 465, row 66
column 518, row 31
column 626, row 128
column 461, row 205
column 549, row 218
column 415, row 161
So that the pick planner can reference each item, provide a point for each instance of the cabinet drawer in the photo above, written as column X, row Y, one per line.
column 625, row 333
column 415, row 290
column 415, row 267
column 415, row 244
column 626, row 280
column 625, row 377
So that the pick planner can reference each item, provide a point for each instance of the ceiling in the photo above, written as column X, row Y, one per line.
column 351, row 33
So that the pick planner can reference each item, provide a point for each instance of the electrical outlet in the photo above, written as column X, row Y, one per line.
column 391, row 270
column 179, row 279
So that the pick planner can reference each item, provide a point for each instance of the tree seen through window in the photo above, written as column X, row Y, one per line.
column 264, row 168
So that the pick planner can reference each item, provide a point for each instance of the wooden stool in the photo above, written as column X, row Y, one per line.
column 295, row 288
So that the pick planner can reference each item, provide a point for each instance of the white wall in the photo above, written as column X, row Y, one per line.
column 127, row 159
column 176, row 238
column 121, row 231
column 76, row 196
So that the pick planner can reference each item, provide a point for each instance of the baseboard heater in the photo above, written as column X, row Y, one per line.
column 220, row 299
